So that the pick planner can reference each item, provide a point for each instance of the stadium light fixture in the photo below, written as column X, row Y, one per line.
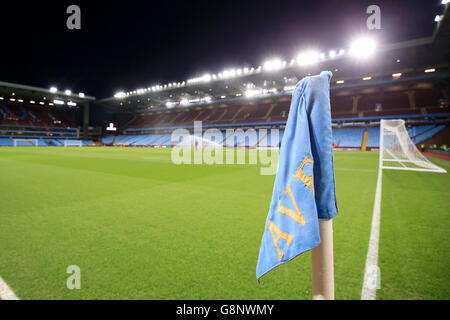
column 41, row 103
column 289, row 88
column 68, row 92
column 308, row 58
column 223, row 97
column 72, row 104
column 332, row 54
column 120, row 95
column 50, row 104
column 184, row 102
column 445, row 1
column 362, row 48
column 19, row 100
column 81, row 95
column 396, row 75
column 430, row 70
column 12, row 99
column 1, row 98
column 438, row 18
column 367, row 78
column 60, row 102
column 204, row 78
column 53, row 89
column 253, row 92
column 340, row 81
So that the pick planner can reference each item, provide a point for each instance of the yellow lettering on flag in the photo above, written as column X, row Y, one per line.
column 297, row 216
column 300, row 175
column 279, row 235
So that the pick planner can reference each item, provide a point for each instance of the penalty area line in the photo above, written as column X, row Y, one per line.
column 5, row 291
column 371, row 271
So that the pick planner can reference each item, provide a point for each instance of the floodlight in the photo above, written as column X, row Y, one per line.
column 308, row 58
column 362, row 48
column 58, row 102
column 68, row 92
column 253, row 92
column 274, row 64
column 53, row 89
column 289, row 88
column 120, row 95
column 430, row 70
column 81, row 95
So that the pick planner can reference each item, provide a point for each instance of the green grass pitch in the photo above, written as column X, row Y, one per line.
column 140, row 227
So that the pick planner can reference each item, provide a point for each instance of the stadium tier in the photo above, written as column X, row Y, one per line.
column 20, row 115
column 346, row 105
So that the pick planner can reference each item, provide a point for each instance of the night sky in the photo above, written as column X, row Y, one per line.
column 125, row 45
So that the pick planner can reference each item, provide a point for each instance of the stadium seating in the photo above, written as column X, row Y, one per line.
column 352, row 105
column 343, row 137
column 18, row 115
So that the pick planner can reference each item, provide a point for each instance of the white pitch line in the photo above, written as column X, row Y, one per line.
column 5, row 291
column 371, row 272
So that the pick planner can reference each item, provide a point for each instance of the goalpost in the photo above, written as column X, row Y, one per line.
column 26, row 142
column 73, row 143
column 397, row 152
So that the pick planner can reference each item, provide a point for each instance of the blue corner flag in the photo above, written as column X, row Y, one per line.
column 304, row 189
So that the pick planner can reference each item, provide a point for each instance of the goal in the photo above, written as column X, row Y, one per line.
column 26, row 142
column 73, row 143
column 398, row 152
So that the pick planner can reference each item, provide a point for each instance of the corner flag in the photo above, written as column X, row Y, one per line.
column 304, row 189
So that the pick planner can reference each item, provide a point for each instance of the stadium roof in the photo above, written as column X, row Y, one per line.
column 34, row 95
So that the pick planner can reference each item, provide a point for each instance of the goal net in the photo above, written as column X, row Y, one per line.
column 73, row 143
column 26, row 142
column 398, row 152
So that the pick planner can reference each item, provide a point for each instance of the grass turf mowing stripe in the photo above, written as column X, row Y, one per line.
column 140, row 227
column 414, row 246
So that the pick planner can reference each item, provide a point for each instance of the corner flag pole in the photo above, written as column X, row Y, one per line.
column 322, row 263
